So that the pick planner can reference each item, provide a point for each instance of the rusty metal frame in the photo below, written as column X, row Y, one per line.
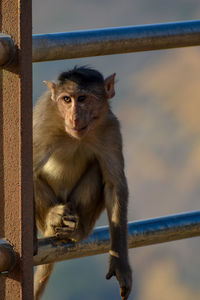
column 16, row 203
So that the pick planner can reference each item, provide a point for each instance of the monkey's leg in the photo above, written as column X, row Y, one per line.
column 43, row 272
column 88, row 199
column 49, row 214
column 41, row 278
column 44, row 198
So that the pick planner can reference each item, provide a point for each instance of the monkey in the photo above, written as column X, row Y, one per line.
column 78, row 168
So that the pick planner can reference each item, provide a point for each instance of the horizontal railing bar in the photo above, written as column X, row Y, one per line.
column 141, row 233
column 8, row 257
column 55, row 46
column 76, row 44
column 7, row 49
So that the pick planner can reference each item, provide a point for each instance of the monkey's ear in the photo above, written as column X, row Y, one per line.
column 109, row 84
column 52, row 86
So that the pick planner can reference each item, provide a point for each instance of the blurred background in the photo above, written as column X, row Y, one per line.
column 157, row 102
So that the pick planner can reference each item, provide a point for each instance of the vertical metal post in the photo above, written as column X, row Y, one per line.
column 16, row 192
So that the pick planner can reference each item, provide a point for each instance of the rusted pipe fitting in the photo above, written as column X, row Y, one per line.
column 7, row 49
column 8, row 257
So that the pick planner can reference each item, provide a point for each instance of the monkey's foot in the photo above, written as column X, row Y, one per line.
column 69, row 226
column 61, row 221
column 70, row 221
column 63, row 232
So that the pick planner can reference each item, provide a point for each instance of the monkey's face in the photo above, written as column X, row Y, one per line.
column 81, row 110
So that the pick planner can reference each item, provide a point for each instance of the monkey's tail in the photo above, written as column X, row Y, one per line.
column 41, row 278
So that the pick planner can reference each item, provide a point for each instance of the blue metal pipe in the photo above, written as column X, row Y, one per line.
column 140, row 233
column 55, row 46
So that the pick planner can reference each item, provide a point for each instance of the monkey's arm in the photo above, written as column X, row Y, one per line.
column 116, row 194
column 45, row 143
column 116, row 198
column 119, row 266
column 41, row 154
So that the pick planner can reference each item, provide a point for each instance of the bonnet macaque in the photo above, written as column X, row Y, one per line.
column 79, row 168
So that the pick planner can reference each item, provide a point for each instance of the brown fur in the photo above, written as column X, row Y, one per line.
column 79, row 167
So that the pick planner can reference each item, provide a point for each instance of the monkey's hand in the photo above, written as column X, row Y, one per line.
column 123, row 273
column 62, row 220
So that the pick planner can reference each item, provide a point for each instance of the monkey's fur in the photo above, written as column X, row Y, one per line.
column 79, row 168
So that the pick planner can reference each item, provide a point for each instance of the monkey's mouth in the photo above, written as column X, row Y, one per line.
column 79, row 129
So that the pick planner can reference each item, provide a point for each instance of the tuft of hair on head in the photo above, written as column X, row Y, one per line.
column 84, row 76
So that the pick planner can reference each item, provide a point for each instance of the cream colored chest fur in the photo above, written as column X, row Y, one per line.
column 63, row 170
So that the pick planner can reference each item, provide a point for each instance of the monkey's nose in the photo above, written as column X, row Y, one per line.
column 75, row 123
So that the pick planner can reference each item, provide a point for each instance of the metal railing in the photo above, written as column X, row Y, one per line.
column 115, row 40
column 140, row 233
column 76, row 44
column 16, row 191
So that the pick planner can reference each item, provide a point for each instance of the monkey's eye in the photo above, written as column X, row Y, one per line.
column 81, row 98
column 67, row 99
